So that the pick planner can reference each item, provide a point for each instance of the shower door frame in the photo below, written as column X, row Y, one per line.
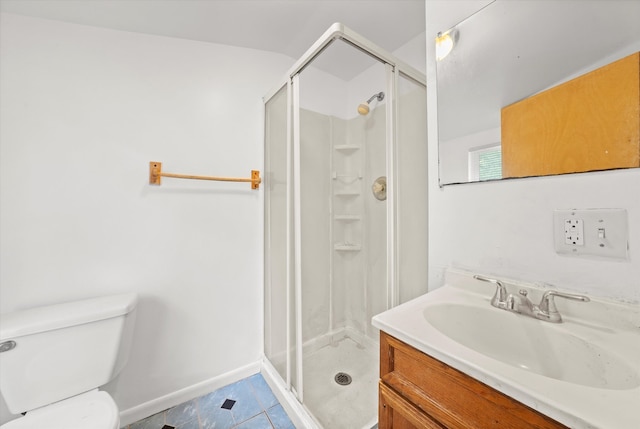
column 393, row 69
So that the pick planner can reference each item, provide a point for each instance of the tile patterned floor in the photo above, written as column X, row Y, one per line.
column 246, row 404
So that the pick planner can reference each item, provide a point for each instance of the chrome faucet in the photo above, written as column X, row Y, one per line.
column 547, row 307
column 500, row 297
column 521, row 303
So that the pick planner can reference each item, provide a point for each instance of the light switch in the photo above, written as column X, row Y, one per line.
column 601, row 233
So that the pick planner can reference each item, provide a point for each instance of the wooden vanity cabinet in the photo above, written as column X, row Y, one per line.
column 418, row 391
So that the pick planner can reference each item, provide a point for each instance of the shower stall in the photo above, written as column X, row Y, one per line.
column 345, row 222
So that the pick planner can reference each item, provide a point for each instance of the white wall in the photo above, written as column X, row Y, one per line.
column 453, row 155
column 83, row 111
column 505, row 228
column 413, row 53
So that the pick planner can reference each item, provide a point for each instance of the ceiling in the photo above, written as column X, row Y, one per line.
column 288, row 27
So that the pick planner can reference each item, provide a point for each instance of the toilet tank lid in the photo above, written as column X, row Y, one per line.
column 47, row 318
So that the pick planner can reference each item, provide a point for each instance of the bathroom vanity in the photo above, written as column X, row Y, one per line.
column 450, row 359
column 418, row 391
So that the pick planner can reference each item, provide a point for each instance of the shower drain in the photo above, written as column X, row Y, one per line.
column 342, row 378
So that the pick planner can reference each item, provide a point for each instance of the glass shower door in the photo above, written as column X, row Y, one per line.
column 342, row 245
column 411, row 203
column 279, row 298
column 345, row 222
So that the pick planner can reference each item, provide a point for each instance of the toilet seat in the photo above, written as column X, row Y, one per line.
column 91, row 410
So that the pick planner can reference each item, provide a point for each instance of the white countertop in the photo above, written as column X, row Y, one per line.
column 613, row 326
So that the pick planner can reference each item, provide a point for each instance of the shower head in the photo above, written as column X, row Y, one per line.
column 363, row 108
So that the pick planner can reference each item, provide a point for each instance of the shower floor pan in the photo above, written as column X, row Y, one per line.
column 336, row 406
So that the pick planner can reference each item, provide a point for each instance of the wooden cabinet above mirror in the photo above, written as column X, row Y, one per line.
column 588, row 123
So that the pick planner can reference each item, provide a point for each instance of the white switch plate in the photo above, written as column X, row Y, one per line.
column 604, row 233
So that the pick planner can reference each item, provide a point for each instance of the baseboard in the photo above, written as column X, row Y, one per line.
column 162, row 403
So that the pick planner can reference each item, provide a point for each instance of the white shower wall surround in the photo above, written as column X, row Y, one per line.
column 332, row 165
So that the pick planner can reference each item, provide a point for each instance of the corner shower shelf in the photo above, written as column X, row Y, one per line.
column 347, row 194
column 347, row 217
column 347, row 147
column 347, row 247
column 346, row 177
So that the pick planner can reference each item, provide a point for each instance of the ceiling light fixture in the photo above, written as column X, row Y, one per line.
column 445, row 43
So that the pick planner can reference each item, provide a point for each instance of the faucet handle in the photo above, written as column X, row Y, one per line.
column 500, row 296
column 548, row 305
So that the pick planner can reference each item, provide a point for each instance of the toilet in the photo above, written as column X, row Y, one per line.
column 54, row 358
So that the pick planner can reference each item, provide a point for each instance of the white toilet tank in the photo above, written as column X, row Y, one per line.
column 51, row 353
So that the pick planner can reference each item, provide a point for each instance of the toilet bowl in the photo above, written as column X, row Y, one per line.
column 92, row 410
column 53, row 359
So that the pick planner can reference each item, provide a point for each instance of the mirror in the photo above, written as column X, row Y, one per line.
column 509, row 51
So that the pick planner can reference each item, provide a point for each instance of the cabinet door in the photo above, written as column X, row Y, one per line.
column 423, row 392
column 396, row 413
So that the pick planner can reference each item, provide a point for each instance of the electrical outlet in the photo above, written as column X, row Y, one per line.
column 600, row 233
column 574, row 232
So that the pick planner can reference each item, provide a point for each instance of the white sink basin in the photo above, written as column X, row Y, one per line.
column 584, row 372
column 532, row 345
